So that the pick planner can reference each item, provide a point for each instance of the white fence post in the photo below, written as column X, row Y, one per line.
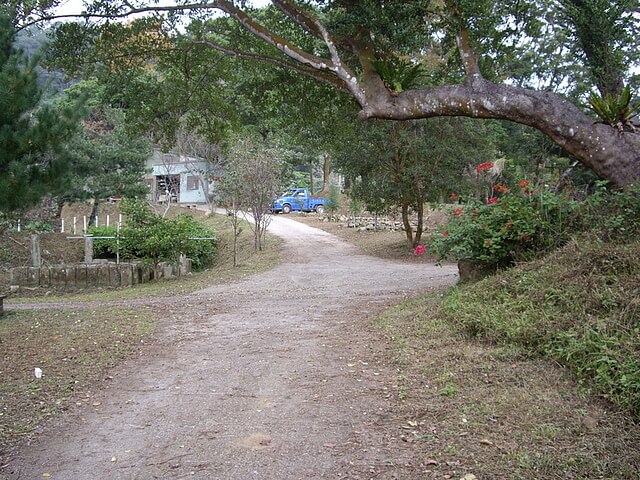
column 75, row 226
column 107, row 220
column 84, row 224
column 62, row 226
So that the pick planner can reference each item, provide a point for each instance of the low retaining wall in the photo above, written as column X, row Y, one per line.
column 95, row 275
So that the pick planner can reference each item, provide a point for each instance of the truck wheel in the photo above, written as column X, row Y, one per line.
column 320, row 209
column 286, row 209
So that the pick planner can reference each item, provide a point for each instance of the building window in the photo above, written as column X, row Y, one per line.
column 193, row 182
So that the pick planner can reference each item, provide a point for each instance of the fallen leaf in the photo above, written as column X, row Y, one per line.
column 486, row 441
column 97, row 404
column 46, row 475
column 469, row 476
column 431, row 461
column 114, row 459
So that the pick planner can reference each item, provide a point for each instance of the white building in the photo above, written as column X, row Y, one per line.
column 181, row 179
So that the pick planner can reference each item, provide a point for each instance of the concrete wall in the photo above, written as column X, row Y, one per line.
column 94, row 275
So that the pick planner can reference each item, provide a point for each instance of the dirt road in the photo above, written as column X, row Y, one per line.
column 277, row 376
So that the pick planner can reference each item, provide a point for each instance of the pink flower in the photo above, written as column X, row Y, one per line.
column 454, row 197
column 457, row 212
column 445, row 233
column 500, row 188
column 419, row 249
column 524, row 183
column 492, row 200
column 488, row 242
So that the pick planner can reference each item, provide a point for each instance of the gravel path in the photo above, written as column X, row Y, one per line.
column 276, row 376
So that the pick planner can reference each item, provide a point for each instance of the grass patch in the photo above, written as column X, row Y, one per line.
column 74, row 349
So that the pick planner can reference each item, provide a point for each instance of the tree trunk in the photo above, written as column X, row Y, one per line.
column 326, row 172
column 408, row 231
column 420, row 227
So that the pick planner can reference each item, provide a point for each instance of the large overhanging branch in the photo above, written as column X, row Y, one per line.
column 281, row 44
column 597, row 146
column 298, row 15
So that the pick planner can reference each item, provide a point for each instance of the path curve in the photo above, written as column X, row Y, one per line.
column 275, row 376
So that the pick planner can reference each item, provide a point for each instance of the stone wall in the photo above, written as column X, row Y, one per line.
column 94, row 275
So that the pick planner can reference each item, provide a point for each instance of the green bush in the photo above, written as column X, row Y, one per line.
column 514, row 226
column 148, row 236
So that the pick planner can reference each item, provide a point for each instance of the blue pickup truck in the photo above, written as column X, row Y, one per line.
column 298, row 199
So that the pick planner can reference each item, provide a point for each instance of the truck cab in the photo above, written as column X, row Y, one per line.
column 298, row 199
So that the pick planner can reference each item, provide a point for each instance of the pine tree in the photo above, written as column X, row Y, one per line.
column 33, row 160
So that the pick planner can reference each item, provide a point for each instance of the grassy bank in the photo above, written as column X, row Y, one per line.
column 532, row 373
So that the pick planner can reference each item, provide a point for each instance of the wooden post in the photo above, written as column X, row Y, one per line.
column 88, row 249
column 36, row 257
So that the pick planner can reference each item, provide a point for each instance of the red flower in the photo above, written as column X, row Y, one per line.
column 500, row 188
column 457, row 212
column 419, row 249
column 524, row 183
column 507, row 226
column 526, row 237
column 484, row 167
column 488, row 242
column 476, row 211
column 454, row 197
column 492, row 200
column 445, row 233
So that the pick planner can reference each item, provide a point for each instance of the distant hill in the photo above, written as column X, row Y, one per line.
column 33, row 41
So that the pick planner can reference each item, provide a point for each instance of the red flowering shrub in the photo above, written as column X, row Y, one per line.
column 454, row 197
column 514, row 228
column 419, row 249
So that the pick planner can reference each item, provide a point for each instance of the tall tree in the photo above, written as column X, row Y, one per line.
column 106, row 160
column 367, row 47
column 33, row 159
column 406, row 164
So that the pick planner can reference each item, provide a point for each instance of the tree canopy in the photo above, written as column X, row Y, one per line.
column 507, row 60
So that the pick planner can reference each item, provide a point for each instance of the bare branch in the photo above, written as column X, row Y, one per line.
column 463, row 42
column 324, row 77
column 299, row 16
column 341, row 70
